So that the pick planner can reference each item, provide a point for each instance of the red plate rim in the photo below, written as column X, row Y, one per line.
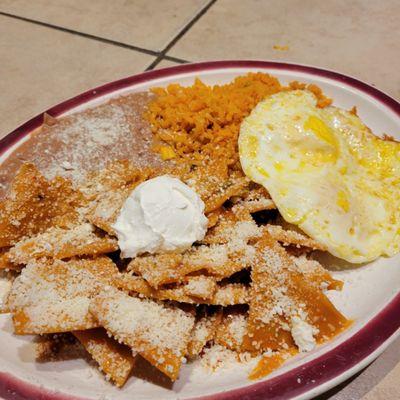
column 327, row 369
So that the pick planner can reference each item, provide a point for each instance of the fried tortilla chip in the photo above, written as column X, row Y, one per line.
column 224, row 294
column 256, row 199
column 115, row 360
column 104, row 211
column 157, row 333
column 278, row 293
column 35, row 204
column 231, row 330
column 61, row 243
column 53, row 296
column 203, row 331
column 214, row 184
column 161, row 269
column 231, row 294
column 253, row 206
column 7, row 265
column 220, row 260
column 228, row 226
column 316, row 274
column 109, row 188
column 269, row 362
column 230, row 250
column 202, row 287
column 291, row 237
column 230, row 188
column 119, row 174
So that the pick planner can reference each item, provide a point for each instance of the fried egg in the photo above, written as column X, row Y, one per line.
column 326, row 172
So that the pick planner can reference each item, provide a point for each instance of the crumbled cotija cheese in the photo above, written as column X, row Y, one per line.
column 217, row 357
column 303, row 334
column 5, row 286
column 55, row 296
column 201, row 286
column 237, row 327
column 135, row 321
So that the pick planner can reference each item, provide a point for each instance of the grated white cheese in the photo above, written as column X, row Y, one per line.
column 143, row 323
column 219, row 357
column 55, row 297
column 5, row 286
column 201, row 331
column 303, row 334
column 203, row 287
column 237, row 327
column 56, row 241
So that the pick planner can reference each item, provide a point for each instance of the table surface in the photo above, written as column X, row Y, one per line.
column 51, row 50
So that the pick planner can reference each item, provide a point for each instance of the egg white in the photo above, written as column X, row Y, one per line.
column 326, row 172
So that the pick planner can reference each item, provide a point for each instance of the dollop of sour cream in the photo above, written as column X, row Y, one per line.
column 160, row 214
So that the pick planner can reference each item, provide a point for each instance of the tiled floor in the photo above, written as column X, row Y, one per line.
column 359, row 37
column 53, row 49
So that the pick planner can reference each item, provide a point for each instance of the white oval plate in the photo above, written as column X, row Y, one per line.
column 370, row 295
